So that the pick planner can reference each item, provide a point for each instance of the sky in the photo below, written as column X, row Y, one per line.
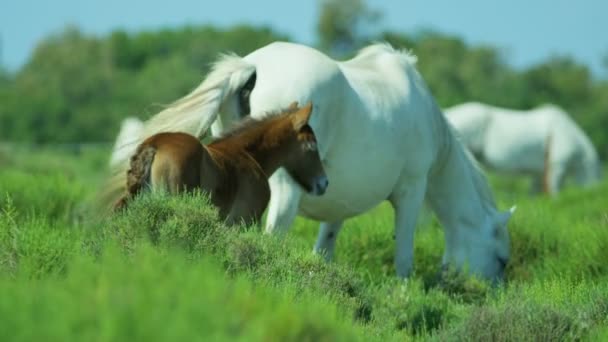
column 526, row 31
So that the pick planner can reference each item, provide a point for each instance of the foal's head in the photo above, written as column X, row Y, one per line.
column 302, row 157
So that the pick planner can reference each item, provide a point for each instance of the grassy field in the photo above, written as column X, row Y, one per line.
column 167, row 270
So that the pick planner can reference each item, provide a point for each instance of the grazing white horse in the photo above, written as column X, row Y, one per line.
column 381, row 137
column 130, row 130
column 543, row 142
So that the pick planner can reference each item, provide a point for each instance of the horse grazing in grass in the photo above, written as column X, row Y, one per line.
column 381, row 136
column 233, row 169
column 130, row 129
column 543, row 142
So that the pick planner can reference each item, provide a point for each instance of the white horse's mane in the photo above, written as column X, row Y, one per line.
column 452, row 141
column 373, row 50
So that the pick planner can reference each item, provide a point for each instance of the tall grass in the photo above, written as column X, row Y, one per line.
column 167, row 269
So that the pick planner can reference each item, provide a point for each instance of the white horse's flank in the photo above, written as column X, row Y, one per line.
column 381, row 137
column 130, row 129
column 543, row 142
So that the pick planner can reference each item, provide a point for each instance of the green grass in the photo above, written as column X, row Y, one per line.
column 166, row 269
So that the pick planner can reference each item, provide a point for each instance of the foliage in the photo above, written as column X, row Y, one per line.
column 341, row 24
column 76, row 88
column 166, row 269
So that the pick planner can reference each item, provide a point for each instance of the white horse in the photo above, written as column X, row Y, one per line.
column 130, row 130
column 543, row 142
column 381, row 137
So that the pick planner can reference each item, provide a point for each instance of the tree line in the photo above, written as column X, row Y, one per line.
column 77, row 88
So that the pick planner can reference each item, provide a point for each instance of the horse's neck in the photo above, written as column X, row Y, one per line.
column 458, row 192
column 268, row 157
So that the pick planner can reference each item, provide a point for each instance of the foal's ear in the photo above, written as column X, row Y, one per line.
column 300, row 118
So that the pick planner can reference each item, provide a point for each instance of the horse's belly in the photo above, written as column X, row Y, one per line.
column 516, row 146
column 331, row 208
column 357, row 183
column 339, row 205
column 525, row 157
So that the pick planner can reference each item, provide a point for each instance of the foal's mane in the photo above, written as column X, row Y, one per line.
column 236, row 144
column 254, row 127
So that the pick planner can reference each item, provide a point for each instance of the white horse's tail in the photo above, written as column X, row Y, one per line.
column 130, row 130
column 193, row 113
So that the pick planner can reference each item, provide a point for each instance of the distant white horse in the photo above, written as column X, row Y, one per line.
column 130, row 130
column 543, row 142
column 381, row 137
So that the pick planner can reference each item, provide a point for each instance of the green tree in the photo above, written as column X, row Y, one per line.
column 561, row 80
column 457, row 72
column 77, row 88
column 5, row 77
column 342, row 23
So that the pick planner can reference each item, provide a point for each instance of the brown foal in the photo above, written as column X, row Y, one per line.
column 233, row 169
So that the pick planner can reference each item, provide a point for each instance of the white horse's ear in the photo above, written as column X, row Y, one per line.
column 503, row 217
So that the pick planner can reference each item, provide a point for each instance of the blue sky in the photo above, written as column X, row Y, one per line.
column 526, row 31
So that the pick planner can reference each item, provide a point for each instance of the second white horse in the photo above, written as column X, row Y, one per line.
column 543, row 142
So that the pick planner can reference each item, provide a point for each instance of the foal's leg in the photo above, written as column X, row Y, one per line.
column 326, row 240
column 250, row 200
column 407, row 202
column 285, row 197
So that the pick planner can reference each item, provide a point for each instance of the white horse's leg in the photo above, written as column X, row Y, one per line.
column 556, row 177
column 407, row 204
column 326, row 240
column 285, row 197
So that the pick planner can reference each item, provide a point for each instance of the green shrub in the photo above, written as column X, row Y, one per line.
column 159, row 296
column 165, row 268
column 34, row 246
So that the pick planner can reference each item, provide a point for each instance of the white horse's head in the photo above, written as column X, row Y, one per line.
column 483, row 251
column 588, row 171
